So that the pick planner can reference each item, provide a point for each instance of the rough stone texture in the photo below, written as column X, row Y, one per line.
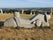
column 27, row 34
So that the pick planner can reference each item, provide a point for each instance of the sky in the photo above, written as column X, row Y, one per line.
column 25, row 3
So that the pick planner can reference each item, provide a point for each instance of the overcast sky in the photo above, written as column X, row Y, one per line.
column 25, row 3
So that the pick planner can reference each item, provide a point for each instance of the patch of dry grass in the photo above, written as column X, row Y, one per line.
column 26, row 34
column 5, row 16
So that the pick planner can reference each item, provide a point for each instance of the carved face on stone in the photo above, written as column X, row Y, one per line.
column 17, row 14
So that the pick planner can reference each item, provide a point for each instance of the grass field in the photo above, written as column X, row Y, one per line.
column 25, row 34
